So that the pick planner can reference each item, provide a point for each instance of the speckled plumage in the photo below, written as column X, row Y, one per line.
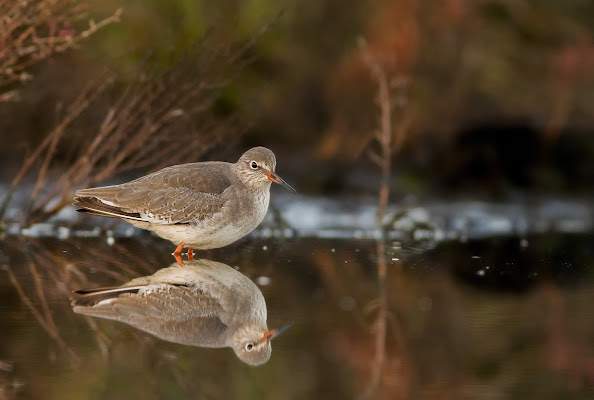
column 205, row 205
column 204, row 303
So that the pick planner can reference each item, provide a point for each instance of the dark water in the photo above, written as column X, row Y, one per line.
column 504, row 318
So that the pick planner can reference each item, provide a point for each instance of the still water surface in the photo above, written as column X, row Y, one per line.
column 505, row 318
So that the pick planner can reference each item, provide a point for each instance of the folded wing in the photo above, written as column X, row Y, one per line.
column 175, row 313
column 173, row 195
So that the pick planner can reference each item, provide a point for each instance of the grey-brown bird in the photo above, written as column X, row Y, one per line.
column 201, row 205
column 204, row 303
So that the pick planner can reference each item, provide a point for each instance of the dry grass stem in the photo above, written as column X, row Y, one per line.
column 31, row 31
column 160, row 117
column 163, row 119
column 389, row 139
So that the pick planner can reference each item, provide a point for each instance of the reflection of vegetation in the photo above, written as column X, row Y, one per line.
column 389, row 374
column 443, row 338
column 41, row 311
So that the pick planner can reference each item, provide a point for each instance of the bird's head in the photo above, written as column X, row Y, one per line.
column 251, row 343
column 255, row 168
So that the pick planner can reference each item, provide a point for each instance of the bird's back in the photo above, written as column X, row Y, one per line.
column 173, row 195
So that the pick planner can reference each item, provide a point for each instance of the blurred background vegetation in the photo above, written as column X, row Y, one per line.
column 489, row 96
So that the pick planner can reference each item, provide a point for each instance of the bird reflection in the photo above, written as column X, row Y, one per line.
column 204, row 303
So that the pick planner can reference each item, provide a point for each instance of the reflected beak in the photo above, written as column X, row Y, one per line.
column 277, row 179
column 268, row 336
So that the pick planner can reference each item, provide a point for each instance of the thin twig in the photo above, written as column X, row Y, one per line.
column 384, row 133
column 29, row 33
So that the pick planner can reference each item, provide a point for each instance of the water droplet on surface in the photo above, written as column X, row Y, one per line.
column 347, row 303
column 263, row 281
column 425, row 303
column 63, row 233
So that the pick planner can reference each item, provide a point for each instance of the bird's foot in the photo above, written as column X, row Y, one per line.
column 190, row 253
column 177, row 254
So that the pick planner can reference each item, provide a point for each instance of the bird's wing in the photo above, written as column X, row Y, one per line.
column 174, row 195
column 178, row 313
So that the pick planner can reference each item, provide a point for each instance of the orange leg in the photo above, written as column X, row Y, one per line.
column 190, row 253
column 177, row 254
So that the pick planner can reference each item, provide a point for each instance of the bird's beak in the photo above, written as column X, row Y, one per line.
column 268, row 336
column 277, row 179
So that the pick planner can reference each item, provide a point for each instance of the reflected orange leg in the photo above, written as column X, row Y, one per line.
column 177, row 254
column 190, row 253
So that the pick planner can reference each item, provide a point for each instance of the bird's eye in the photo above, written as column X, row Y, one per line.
column 254, row 165
column 249, row 346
